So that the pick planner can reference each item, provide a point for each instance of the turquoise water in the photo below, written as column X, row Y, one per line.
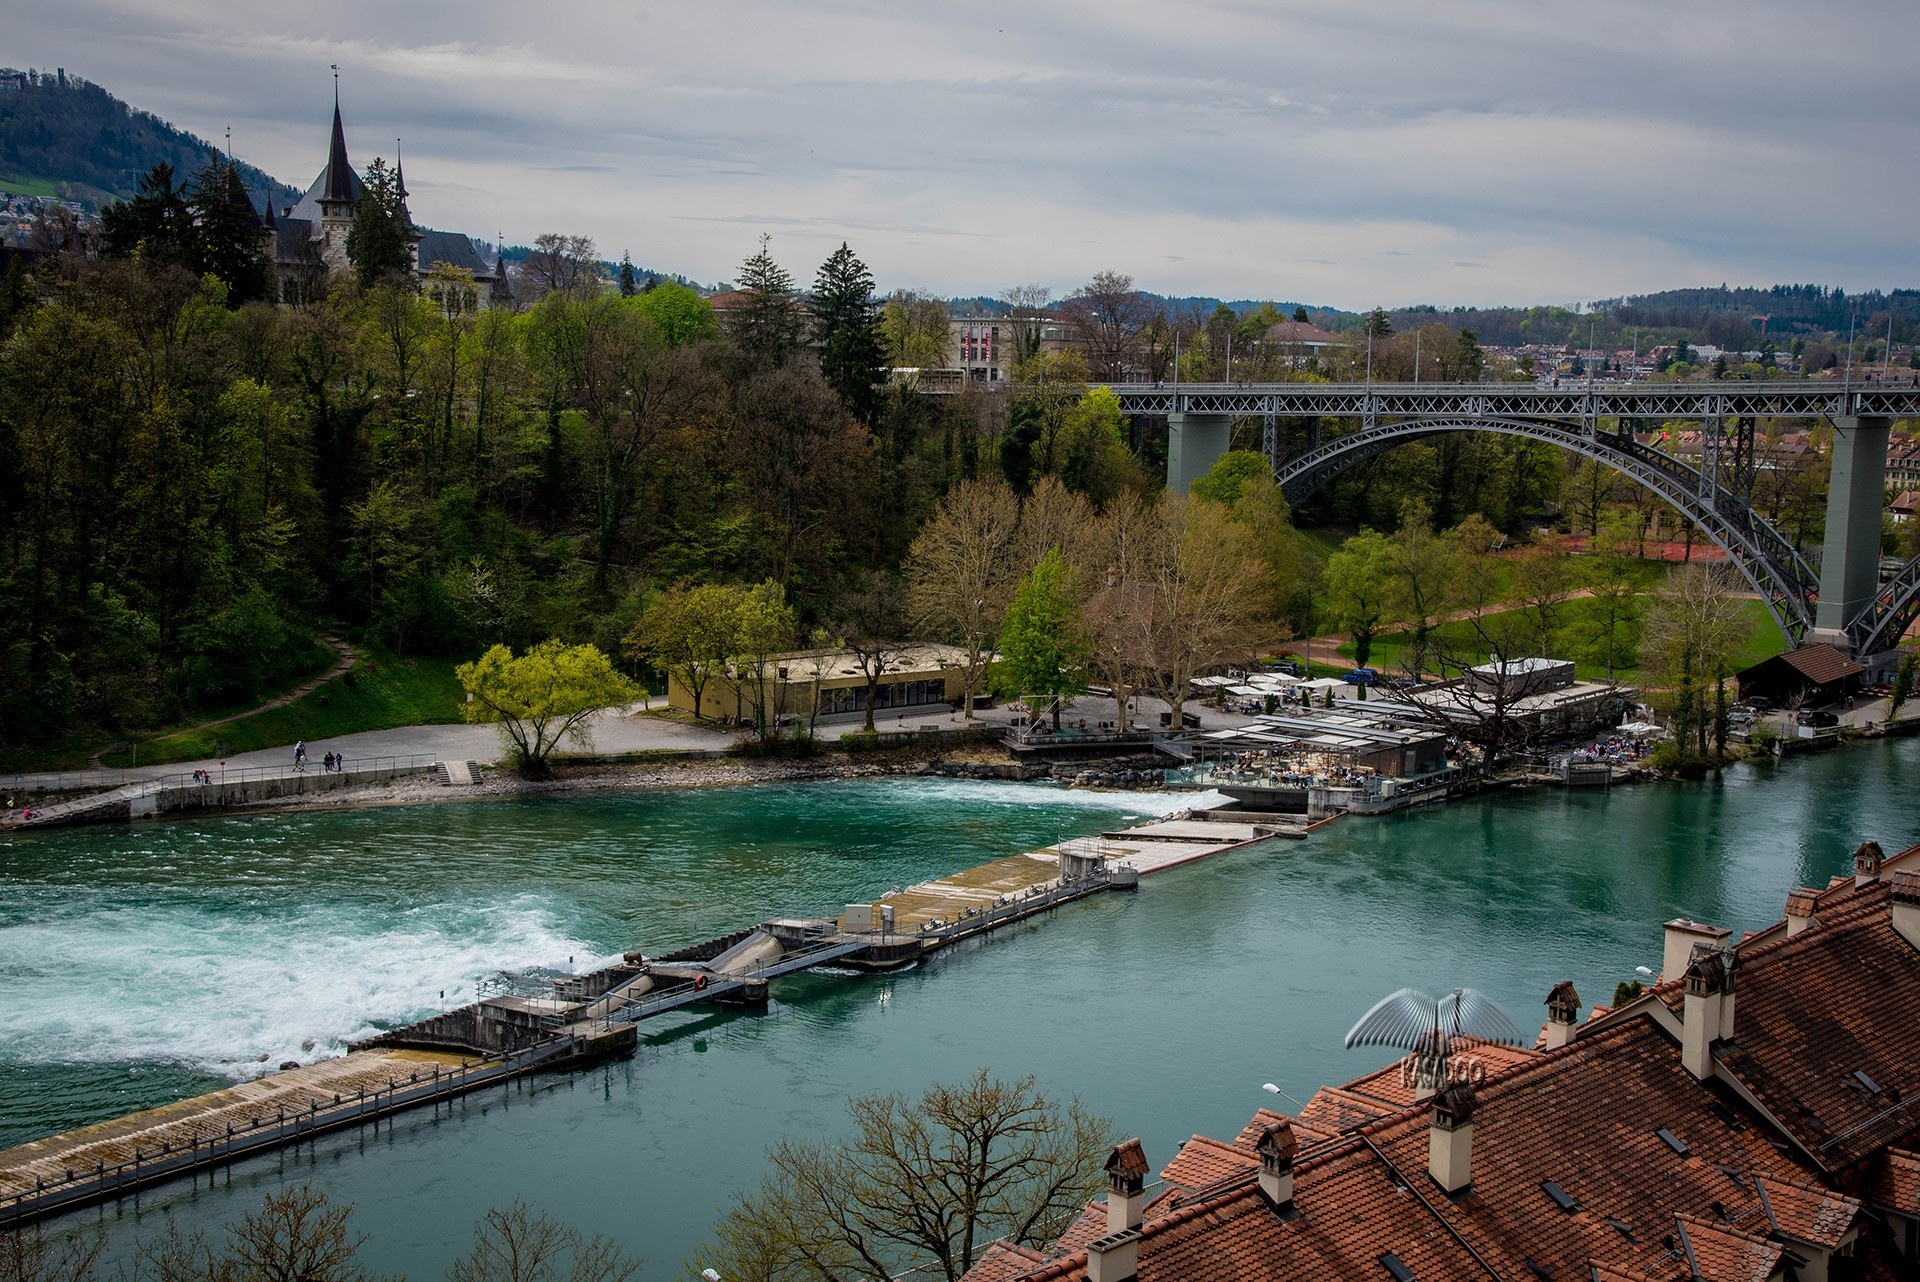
column 133, row 961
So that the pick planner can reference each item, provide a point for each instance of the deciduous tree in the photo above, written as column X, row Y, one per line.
column 1042, row 651
column 921, row 1183
column 1360, row 588
column 519, row 1244
column 537, row 699
column 961, row 571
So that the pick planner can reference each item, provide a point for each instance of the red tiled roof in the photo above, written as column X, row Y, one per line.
column 1813, row 1010
column 1004, row 1261
column 1335, row 1110
column 1202, row 1162
column 1348, row 1212
column 1895, row 1183
column 1289, row 331
column 1265, row 1119
column 1129, row 1160
column 1586, row 1117
column 1821, row 663
column 1807, row 1214
column 1654, row 1175
column 1721, row 1254
column 1087, row 1226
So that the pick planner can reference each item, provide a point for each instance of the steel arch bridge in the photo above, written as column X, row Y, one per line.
column 1598, row 420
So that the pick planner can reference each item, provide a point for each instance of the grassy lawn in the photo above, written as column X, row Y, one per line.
column 380, row 693
column 21, row 185
column 1390, row 651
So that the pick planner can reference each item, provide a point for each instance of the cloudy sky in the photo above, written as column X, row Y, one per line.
column 1351, row 154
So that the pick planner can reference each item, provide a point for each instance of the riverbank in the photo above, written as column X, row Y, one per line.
column 131, row 952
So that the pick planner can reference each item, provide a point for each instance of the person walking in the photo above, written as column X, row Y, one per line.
column 300, row 755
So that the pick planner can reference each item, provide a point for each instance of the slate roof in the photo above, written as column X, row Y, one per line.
column 453, row 249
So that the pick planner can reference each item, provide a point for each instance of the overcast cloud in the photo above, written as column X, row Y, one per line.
column 1378, row 151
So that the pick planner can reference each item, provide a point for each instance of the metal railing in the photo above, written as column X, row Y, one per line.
column 261, row 1134
column 224, row 776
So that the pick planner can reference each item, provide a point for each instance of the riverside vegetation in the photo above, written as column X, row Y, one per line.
column 201, row 485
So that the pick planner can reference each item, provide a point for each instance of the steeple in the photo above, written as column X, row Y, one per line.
column 339, row 186
column 400, row 181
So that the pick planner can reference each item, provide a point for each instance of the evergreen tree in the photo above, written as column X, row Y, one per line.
column 1378, row 324
column 15, row 296
column 766, row 327
column 1300, row 316
column 227, row 230
column 156, row 222
column 1469, row 357
column 380, row 241
column 846, row 323
column 628, row 285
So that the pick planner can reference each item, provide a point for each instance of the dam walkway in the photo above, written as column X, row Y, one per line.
column 578, row 1019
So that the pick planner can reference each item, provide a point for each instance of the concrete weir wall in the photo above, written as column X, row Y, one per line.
column 212, row 796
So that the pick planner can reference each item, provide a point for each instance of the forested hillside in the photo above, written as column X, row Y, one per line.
column 63, row 129
column 194, row 493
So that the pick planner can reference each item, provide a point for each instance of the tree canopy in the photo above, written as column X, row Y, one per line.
column 543, row 696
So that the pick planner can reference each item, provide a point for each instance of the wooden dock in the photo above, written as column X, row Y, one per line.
column 590, row 1016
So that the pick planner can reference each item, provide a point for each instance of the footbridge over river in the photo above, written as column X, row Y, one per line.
column 1841, row 600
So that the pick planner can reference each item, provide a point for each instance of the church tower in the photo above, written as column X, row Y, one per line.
column 337, row 192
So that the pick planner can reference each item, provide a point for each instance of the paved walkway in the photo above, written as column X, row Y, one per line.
column 612, row 732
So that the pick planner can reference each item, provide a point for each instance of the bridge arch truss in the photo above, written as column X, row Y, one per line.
column 1596, row 420
column 1771, row 565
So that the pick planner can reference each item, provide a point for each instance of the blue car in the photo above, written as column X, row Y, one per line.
column 1362, row 677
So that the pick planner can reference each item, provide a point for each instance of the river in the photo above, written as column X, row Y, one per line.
column 141, row 963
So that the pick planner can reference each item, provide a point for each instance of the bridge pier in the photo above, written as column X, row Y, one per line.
column 1195, row 443
column 1850, row 557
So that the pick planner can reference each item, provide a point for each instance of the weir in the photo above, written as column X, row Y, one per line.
column 588, row 1017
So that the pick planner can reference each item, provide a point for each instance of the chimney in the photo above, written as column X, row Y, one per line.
column 1115, row 1257
column 1866, row 863
column 1563, row 1012
column 1800, row 906
column 1276, row 1149
column 1126, row 1186
column 1682, row 935
column 1450, row 1138
column 1906, row 906
column 1706, row 1012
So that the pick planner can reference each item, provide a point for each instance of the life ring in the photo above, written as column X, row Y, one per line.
column 699, row 983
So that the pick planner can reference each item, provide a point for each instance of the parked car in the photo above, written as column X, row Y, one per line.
column 1362, row 677
column 1817, row 717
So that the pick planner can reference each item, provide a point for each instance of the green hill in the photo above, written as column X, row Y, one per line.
column 61, row 135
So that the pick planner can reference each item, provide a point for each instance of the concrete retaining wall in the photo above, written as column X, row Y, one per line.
column 243, row 792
